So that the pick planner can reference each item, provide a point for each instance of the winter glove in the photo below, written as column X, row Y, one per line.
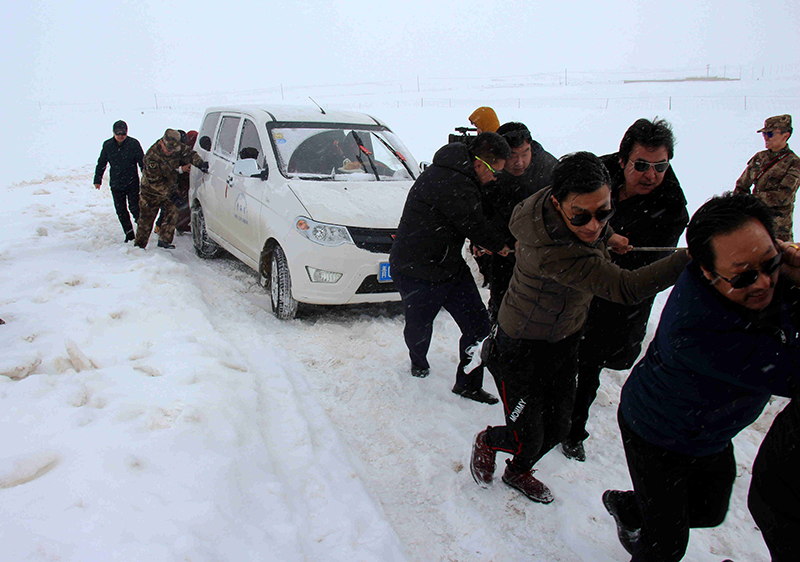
column 203, row 167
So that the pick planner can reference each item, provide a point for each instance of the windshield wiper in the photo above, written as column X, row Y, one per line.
column 397, row 155
column 363, row 149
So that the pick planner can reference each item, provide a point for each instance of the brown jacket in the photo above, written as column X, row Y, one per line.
column 557, row 275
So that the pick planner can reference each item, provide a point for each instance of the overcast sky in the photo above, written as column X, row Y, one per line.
column 73, row 51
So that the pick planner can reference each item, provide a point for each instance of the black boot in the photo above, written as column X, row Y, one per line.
column 478, row 395
column 166, row 245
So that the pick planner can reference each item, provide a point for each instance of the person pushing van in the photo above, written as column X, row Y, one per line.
column 163, row 162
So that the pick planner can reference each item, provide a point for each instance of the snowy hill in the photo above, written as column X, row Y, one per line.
column 154, row 409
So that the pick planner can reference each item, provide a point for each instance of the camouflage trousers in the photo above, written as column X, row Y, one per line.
column 783, row 227
column 150, row 203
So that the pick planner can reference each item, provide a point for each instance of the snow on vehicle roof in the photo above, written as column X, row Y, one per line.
column 293, row 113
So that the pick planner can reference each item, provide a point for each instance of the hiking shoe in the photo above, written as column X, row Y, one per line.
column 627, row 535
column 482, row 463
column 574, row 451
column 129, row 236
column 166, row 245
column 478, row 395
column 528, row 485
column 420, row 372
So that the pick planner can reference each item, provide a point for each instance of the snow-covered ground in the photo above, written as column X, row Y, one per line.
column 152, row 408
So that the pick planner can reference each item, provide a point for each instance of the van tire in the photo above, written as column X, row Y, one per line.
column 203, row 245
column 280, row 286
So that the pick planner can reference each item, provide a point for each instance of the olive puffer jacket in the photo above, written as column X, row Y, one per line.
column 557, row 275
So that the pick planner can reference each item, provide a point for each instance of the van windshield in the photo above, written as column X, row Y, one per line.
column 340, row 154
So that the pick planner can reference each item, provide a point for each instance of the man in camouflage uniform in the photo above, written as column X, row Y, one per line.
column 163, row 162
column 775, row 174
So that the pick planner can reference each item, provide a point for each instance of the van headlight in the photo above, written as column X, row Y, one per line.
column 321, row 233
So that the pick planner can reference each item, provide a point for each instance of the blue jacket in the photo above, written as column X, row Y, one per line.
column 711, row 369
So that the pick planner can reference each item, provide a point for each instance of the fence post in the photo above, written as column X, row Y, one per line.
column 670, row 103
column 155, row 97
column 745, row 103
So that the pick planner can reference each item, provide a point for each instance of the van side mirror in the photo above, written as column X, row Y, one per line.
column 248, row 167
column 205, row 142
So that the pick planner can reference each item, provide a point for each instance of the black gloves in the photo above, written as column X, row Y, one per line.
column 203, row 167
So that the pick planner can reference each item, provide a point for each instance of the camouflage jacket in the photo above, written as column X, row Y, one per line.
column 160, row 173
column 778, row 184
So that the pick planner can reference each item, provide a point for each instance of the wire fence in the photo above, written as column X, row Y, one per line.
column 429, row 91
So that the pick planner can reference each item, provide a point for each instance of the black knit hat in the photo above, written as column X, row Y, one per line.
column 120, row 127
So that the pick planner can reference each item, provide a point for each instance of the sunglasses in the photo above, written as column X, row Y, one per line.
column 644, row 165
column 770, row 134
column 120, row 134
column 750, row 276
column 495, row 172
column 582, row 219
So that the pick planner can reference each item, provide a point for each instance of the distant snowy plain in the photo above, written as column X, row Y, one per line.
column 152, row 408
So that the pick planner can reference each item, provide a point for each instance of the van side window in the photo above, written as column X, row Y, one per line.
column 209, row 126
column 226, row 138
column 250, row 144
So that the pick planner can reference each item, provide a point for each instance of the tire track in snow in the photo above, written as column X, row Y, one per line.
column 334, row 516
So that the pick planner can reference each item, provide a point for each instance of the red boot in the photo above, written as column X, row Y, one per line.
column 528, row 485
column 482, row 463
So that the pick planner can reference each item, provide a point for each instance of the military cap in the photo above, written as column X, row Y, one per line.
column 777, row 123
column 172, row 139
column 120, row 127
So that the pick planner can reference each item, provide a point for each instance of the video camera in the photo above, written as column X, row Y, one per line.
column 464, row 135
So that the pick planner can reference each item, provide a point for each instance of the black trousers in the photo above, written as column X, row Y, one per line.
column 774, row 498
column 612, row 338
column 124, row 200
column 673, row 493
column 422, row 301
column 500, row 274
column 536, row 381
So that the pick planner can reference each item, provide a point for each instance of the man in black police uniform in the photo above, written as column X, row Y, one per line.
column 124, row 153
column 442, row 210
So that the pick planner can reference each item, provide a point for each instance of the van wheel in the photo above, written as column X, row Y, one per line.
column 203, row 245
column 280, row 286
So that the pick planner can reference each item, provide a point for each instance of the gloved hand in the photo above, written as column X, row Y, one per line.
column 203, row 167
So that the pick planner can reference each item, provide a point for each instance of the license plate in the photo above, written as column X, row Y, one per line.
column 385, row 273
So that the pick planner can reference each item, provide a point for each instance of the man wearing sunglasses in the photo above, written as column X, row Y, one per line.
column 727, row 340
column 562, row 263
column 442, row 210
column 774, row 174
column 650, row 211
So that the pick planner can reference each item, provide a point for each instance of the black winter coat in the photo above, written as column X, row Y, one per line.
column 123, row 159
column 614, row 332
column 657, row 219
column 502, row 196
column 442, row 210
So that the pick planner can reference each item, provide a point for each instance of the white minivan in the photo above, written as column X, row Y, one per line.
column 310, row 199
